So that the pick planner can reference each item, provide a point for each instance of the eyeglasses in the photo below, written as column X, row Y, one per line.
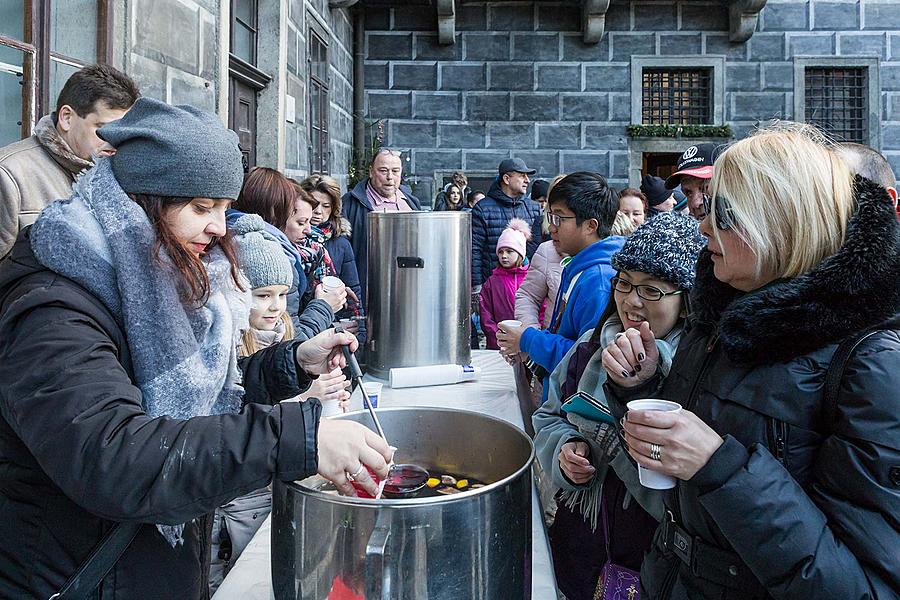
column 724, row 215
column 555, row 219
column 647, row 292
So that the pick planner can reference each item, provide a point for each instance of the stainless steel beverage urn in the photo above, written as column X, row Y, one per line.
column 419, row 289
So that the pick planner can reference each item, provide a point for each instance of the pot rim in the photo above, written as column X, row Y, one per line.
column 398, row 502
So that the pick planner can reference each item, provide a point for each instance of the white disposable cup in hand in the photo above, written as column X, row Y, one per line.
column 509, row 324
column 331, row 283
column 331, row 408
column 650, row 478
column 373, row 393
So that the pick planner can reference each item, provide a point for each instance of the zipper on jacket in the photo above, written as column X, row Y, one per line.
column 669, row 582
column 778, row 431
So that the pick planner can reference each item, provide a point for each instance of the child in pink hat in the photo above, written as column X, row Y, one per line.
column 497, row 300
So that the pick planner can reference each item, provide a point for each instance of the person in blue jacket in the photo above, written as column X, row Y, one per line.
column 582, row 209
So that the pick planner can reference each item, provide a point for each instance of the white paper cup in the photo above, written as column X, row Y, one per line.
column 373, row 393
column 331, row 408
column 509, row 324
column 331, row 283
column 650, row 478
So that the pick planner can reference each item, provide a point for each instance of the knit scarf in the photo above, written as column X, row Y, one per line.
column 602, row 438
column 184, row 358
column 317, row 262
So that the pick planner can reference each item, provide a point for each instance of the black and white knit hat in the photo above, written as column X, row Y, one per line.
column 260, row 256
column 666, row 246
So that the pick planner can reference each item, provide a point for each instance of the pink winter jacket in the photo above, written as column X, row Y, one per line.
column 496, row 302
column 541, row 284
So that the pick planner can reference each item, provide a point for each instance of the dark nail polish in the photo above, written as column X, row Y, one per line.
column 624, row 373
column 641, row 356
column 632, row 373
column 637, row 368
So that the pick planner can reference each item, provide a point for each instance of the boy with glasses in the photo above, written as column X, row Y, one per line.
column 582, row 210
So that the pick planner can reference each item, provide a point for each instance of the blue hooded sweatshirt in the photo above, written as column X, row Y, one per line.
column 585, row 304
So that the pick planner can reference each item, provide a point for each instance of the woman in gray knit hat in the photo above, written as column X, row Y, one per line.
column 126, row 415
column 597, row 521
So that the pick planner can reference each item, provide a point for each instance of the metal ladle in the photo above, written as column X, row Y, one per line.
column 402, row 480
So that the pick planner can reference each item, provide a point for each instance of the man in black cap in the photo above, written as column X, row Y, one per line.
column 659, row 198
column 695, row 169
column 505, row 200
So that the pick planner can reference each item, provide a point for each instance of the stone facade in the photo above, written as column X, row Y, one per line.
column 171, row 48
column 520, row 81
column 336, row 26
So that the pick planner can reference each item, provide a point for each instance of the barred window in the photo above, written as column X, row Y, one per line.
column 671, row 96
column 837, row 100
column 318, row 102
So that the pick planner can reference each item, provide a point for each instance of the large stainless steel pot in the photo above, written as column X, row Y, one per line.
column 419, row 290
column 474, row 545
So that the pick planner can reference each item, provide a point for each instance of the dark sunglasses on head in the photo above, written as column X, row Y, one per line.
column 724, row 218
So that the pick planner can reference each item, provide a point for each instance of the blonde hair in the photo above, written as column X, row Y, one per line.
column 623, row 225
column 248, row 340
column 791, row 197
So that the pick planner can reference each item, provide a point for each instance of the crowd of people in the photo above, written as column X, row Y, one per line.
column 167, row 349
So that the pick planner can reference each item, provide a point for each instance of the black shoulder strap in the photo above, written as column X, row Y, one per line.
column 102, row 559
column 835, row 373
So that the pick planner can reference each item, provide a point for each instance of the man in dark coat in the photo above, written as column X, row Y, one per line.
column 505, row 199
column 381, row 191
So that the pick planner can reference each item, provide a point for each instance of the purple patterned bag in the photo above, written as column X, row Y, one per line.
column 616, row 582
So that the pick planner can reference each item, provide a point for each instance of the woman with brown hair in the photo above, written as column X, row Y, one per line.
column 332, row 229
column 288, row 211
column 125, row 414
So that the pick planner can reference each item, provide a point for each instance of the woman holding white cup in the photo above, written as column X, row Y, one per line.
column 787, row 448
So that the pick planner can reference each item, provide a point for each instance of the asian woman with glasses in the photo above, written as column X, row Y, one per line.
column 583, row 459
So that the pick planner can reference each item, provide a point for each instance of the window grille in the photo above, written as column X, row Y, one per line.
column 676, row 97
column 318, row 103
column 837, row 101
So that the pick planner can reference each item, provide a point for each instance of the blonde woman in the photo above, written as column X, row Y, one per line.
column 779, row 493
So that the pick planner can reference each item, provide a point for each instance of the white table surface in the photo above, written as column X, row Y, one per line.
column 494, row 394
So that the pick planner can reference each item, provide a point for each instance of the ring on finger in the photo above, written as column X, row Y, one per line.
column 656, row 452
column 353, row 476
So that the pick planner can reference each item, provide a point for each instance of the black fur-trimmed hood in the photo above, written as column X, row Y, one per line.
column 856, row 288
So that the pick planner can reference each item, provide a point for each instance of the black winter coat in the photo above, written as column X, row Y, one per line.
column 489, row 218
column 344, row 262
column 355, row 207
column 802, row 508
column 78, row 453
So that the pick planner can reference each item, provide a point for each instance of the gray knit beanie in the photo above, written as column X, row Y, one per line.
column 260, row 255
column 666, row 246
column 182, row 151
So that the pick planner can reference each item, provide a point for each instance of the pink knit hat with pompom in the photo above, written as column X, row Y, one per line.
column 516, row 234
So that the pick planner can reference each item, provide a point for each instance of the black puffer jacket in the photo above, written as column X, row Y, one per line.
column 489, row 218
column 78, row 453
column 802, row 508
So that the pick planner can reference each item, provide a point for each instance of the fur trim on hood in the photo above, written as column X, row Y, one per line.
column 854, row 289
column 346, row 229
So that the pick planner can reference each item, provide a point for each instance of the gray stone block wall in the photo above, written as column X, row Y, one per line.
column 336, row 25
column 171, row 49
column 521, row 82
